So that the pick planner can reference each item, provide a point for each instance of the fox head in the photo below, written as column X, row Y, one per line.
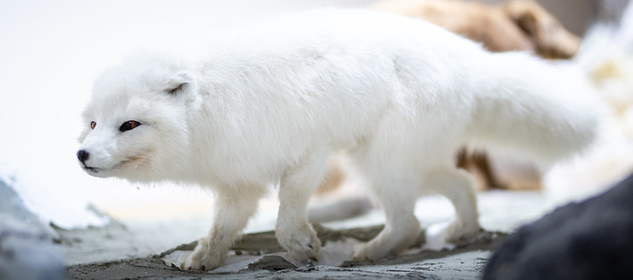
column 137, row 121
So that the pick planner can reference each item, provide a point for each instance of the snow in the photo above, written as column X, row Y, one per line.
column 51, row 203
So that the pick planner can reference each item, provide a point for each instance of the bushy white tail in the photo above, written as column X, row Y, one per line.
column 540, row 111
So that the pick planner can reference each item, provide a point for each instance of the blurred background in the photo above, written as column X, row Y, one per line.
column 51, row 52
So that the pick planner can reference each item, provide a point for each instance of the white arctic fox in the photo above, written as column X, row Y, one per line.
column 270, row 104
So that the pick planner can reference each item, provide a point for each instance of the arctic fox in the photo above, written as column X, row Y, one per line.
column 270, row 104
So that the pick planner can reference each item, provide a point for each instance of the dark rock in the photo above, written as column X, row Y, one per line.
column 592, row 239
column 270, row 263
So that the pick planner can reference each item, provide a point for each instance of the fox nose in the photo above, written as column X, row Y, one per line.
column 82, row 155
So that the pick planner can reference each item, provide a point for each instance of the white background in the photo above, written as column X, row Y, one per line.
column 50, row 53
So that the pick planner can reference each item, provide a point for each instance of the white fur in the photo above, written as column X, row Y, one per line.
column 270, row 104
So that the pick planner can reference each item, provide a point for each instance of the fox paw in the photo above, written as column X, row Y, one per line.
column 302, row 245
column 202, row 258
column 383, row 246
column 368, row 252
column 458, row 231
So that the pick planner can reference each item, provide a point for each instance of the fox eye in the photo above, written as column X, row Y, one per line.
column 93, row 125
column 129, row 125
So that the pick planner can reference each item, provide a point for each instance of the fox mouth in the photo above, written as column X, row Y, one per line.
column 98, row 171
column 122, row 168
column 132, row 161
column 90, row 169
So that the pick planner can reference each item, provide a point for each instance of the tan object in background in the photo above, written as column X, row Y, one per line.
column 551, row 39
column 513, row 25
column 334, row 178
column 477, row 21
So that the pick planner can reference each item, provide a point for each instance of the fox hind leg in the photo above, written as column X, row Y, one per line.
column 397, row 192
column 459, row 188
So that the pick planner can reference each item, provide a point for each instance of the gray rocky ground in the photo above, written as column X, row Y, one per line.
column 135, row 250
column 258, row 256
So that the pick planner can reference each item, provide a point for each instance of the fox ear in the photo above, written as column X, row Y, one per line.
column 179, row 83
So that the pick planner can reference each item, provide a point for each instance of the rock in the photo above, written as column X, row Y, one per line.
column 270, row 263
column 27, row 252
column 11, row 204
column 26, row 246
column 592, row 239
